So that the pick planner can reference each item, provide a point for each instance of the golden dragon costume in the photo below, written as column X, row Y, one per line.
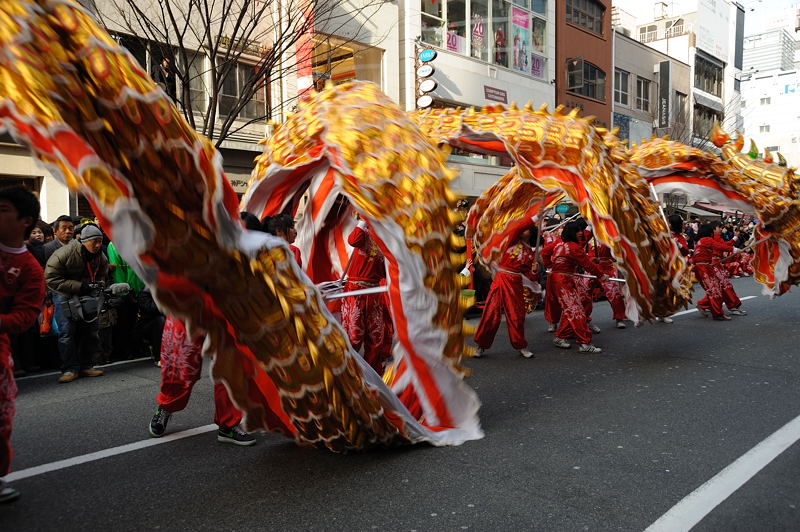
column 95, row 119
column 742, row 181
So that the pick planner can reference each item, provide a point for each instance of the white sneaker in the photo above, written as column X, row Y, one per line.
column 526, row 353
column 478, row 353
column 551, row 327
column 594, row 328
column 621, row 324
column 666, row 319
column 589, row 348
column 560, row 342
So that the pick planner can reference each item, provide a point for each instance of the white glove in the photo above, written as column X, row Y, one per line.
column 736, row 250
column 120, row 288
column 362, row 225
column 465, row 272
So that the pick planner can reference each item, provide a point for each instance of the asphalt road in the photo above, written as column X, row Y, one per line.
column 573, row 442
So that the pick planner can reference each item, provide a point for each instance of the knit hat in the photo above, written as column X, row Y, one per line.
column 90, row 232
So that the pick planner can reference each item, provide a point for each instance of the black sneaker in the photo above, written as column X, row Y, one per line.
column 7, row 493
column 236, row 436
column 158, row 425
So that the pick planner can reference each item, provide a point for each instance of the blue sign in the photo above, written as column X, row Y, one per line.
column 428, row 54
column 562, row 208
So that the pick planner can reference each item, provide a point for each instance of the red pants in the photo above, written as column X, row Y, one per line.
column 574, row 320
column 612, row 292
column 181, row 365
column 367, row 322
column 724, row 291
column 8, row 392
column 552, row 310
column 505, row 297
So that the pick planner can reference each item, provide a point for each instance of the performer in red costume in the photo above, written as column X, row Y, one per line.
column 676, row 227
column 366, row 318
column 21, row 299
column 712, row 276
column 505, row 297
column 582, row 284
column 568, row 256
column 181, row 365
column 601, row 255
column 282, row 225
column 552, row 310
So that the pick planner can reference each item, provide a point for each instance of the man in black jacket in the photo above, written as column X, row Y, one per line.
column 76, row 270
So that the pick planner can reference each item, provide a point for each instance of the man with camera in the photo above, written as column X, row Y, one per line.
column 75, row 274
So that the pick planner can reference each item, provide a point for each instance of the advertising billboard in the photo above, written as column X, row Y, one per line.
column 712, row 27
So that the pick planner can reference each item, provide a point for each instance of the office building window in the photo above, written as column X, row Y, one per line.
column 621, row 86
column 765, row 101
column 587, row 14
column 648, row 33
column 707, row 75
column 763, row 129
column 237, row 82
column 642, row 94
column 594, row 83
column 197, row 84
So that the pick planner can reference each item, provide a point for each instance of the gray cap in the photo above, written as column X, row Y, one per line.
column 90, row 232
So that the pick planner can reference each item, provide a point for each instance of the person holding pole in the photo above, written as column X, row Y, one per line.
column 568, row 256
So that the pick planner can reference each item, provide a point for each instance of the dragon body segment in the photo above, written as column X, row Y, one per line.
column 92, row 115
column 566, row 154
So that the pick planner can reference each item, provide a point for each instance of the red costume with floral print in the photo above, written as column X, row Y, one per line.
column 505, row 297
column 552, row 310
column 567, row 258
column 181, row 365
column 710, row 275
column 366, row 318
column 21, row 298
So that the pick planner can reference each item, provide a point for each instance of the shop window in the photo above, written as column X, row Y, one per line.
column 479, row 43
column 621, row 86
column 539, row 35
column 340, row 61
column 642, row 94
column 457, row 26
column 593, row 84
column 539, row 6
column 704, row 119
column 587, row 14
column 237, row 84
column 681, row 103
column 500, row 16
column 432, row 22
column 707, row 75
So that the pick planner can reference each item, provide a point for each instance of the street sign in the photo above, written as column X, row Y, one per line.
column 425, row 70
column 428, row 54
column 427, row 85
column 424, row 101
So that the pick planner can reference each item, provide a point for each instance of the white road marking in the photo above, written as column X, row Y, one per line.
column 51, row 373
column 105, row 453
column 681, row 313
column 698, row 504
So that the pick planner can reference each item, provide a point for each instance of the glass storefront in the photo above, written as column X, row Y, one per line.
column 508, row 33
column 341, row 61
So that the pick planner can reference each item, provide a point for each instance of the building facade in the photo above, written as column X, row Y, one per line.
column 487, row 52
column 651, row 92
column 709, row 40
column 584, row 72
column 771, row 112
column 771, row 50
